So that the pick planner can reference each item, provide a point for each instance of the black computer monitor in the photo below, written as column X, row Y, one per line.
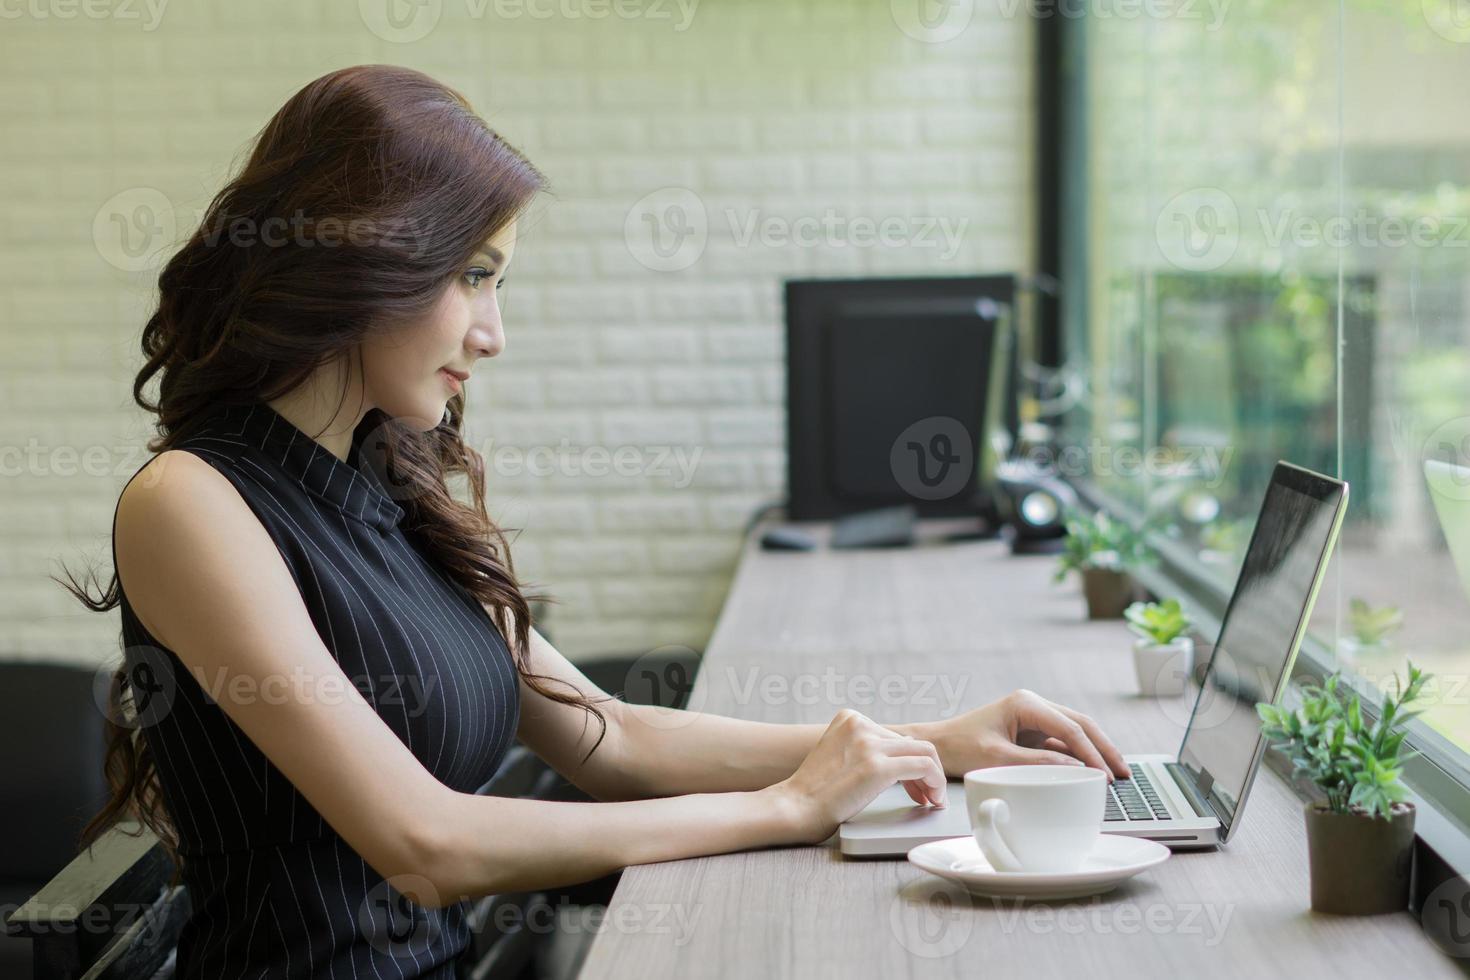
column 891, row 393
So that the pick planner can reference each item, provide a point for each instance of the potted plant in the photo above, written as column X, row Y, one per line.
column 1371, row 628
column 1360, row 841
column 1163, row 654
column 1221, row 542
column 1102, row 550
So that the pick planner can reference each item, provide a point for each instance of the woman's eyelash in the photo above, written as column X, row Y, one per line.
column 478, row 275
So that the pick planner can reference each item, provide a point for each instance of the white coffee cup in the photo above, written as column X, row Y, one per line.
column 1035, row 818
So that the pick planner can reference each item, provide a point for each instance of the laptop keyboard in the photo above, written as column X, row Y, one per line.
column 1134, row 799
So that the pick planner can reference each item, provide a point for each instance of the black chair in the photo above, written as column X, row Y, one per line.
column 51, row 752
column 111, row 913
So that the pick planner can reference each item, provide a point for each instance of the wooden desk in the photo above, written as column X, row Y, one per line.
column 797, row 626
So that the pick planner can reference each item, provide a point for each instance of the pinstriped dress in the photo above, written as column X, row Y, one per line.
column 275, row 892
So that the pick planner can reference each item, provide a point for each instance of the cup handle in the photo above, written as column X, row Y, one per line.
column 990, row 815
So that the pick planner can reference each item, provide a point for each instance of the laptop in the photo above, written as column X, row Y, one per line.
column 1195, row 796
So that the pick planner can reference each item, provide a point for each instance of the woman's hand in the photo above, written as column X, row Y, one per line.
column 856, row 759
column 1022, row 728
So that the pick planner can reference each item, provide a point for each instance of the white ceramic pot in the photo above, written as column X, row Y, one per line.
column 1163, row 669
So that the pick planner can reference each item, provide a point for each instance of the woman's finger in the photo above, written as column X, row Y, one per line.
column 1104, row 745
column 1040, row 714
column 1019, row 756
column 916, row 768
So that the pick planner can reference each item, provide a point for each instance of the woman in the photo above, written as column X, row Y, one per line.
column 327, row 653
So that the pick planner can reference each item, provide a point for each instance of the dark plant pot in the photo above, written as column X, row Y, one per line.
column 1108, row 592
column 1360, row 864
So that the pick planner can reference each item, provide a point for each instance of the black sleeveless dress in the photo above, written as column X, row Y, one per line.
column 275, row 892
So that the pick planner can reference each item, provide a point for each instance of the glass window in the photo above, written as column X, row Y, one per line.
column 1275, row 220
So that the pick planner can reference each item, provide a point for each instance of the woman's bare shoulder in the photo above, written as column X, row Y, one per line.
column 180, row 522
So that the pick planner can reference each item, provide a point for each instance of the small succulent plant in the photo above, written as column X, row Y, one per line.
column 1158, row 622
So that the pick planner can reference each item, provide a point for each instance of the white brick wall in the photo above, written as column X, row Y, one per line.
column 801, row 111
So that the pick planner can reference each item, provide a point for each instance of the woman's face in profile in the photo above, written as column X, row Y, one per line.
column 409, row 373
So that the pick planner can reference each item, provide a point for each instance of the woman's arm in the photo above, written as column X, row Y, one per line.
column 206, row 580
column 650, row 751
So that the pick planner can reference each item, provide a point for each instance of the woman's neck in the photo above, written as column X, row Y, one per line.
column 319, row 408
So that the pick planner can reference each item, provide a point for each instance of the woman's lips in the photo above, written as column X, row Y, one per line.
column 454, row 383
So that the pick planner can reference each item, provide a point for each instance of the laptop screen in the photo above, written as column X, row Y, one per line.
column 1261, row 631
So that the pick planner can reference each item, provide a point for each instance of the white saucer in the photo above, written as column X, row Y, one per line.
column 1114, row 859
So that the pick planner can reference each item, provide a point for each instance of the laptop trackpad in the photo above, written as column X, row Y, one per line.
column 892, row 814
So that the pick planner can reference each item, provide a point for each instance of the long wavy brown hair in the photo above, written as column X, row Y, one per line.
column 362, row 199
